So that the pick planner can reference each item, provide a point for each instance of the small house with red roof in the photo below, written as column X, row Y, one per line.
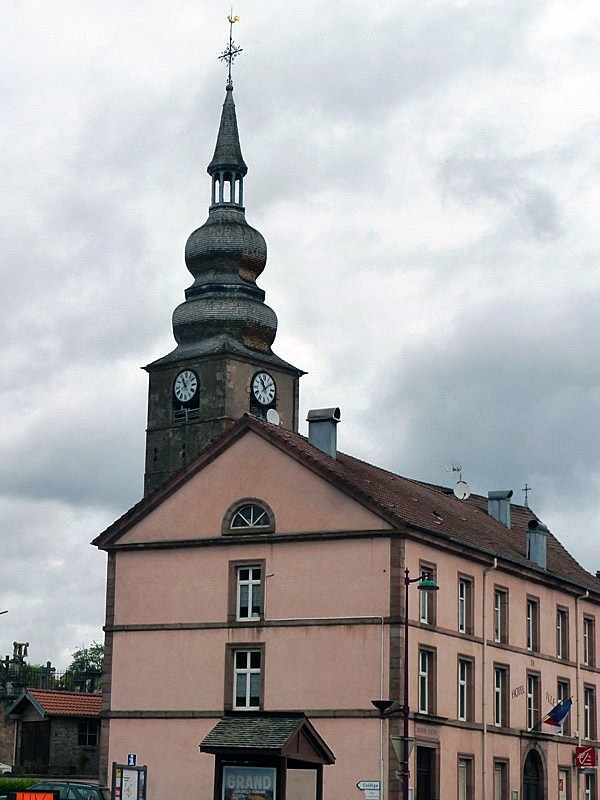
column 57, row 732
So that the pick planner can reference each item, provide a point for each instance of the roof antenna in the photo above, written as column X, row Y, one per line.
column 461, row 490
column 231, row 51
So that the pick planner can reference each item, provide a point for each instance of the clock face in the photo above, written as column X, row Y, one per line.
column 185, row 386
column 263, row 388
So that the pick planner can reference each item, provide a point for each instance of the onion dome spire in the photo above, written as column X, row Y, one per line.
column 224, row 310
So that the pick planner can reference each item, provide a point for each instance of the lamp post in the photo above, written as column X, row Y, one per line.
column 386, row 707
column 426, row 584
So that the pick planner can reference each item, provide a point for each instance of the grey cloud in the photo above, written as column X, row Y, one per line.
column 531, row 209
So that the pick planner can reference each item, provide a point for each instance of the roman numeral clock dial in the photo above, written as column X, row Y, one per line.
column 263, row 388
column 185, row 386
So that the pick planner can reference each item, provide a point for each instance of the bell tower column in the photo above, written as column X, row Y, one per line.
column 223, row 365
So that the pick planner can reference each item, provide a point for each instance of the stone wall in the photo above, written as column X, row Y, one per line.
column 7, row 738
column 65, row 749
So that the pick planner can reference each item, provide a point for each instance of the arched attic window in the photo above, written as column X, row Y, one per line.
column 249, row 516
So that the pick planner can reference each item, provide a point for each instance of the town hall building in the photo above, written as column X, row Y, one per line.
column 256, row 609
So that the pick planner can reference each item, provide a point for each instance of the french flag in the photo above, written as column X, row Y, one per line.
column 557, row 715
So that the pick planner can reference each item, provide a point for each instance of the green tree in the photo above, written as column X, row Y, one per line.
column 87, row 658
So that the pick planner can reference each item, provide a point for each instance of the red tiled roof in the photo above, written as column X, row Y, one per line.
column 67, row 704
column 404, row 502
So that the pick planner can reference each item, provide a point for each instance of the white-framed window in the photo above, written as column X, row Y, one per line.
column 500, row 615
column 562, row 633
column 465, row 778
column 533, row 700
column 248, row 515
column 465, row 667
column 589, row 641
column 465, row 605
column 532, row 624
column 501, row 696
column 426, row 681
column 248, row 592
column 247, row 679
column 427, row 599
column 589, row 712
column 589, row 786
column 563, row 692
column 500, row 780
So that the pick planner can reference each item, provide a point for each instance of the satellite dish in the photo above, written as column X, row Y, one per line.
column 461, row 490
column 273, row 416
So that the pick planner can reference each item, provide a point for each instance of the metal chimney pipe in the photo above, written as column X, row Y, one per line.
column 537, row 542
column 322, row 429
column 499, row 506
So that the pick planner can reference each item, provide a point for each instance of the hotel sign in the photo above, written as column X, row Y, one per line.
column 249, row 783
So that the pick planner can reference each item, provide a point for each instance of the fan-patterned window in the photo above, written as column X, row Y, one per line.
column 250, row 515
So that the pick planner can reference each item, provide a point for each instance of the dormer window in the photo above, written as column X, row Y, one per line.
column 249, row 516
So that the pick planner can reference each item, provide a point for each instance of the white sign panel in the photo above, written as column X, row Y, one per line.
column 130, row 785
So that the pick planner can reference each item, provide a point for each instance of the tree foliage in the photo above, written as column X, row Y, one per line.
column 87, row 658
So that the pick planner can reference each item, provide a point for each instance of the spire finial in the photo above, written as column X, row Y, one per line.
column 231, row 51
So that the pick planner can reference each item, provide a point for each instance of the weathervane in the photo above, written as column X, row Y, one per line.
column 232, row 50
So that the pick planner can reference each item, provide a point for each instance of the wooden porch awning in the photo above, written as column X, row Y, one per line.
column 284, row 735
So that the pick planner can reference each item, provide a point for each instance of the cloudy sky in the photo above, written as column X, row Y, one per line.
column 425, row 173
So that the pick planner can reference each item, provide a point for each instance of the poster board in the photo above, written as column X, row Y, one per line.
column 128, row 783
column 249, row 783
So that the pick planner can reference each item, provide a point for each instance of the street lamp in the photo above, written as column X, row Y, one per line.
column 386, row 707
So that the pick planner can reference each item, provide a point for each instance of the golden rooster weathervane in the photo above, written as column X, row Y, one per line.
column 232, row 50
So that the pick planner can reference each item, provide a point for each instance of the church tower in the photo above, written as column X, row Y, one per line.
column 223, row 365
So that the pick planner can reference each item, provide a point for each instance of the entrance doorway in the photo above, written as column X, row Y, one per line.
column 426, row 778
column 35, row 743
column 533, row 777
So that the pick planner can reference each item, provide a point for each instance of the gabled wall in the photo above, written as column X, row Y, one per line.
column 252, row 467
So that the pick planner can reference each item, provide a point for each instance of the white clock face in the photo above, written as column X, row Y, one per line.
column 186, row 385
column 263, row 388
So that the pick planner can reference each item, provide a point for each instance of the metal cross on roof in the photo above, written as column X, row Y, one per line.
column 232, row 50
column 526, row 489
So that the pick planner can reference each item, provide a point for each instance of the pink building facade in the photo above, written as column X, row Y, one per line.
column 267, row 576
column 264, row 574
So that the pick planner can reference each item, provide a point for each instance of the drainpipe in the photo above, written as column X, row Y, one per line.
column 578, row 634
column 484, row 771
